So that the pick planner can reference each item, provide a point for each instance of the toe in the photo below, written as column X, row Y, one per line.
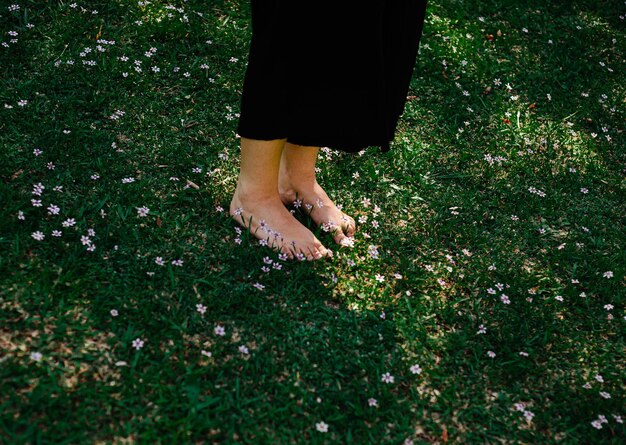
column 339, row 236
column 288, row 250
column 319, row 247
column 289, row 253
column 312, row 254
column 349, row 225
column 318, row 253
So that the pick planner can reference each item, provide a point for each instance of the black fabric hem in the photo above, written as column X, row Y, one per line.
column 343, row 146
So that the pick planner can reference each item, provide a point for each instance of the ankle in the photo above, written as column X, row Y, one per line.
column 300, row 181
column 252, row 193
column 256, row 189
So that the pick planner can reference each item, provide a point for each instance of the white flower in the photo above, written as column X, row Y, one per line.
column 348, row 242
column 138, row 343
column 114, row 313
column 321, row 427
column 491, row 354
column 529, row 415
column 37, row 356
column 53, row 209
column 219, row 330
column 142, row 211
column 243, row 349
column 201, row 308
column 373, row 251
column 372, row 401
column 415, row 369
column 387, row 378
column 608, row 274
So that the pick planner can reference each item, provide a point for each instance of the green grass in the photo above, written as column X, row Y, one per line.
column 488, row 190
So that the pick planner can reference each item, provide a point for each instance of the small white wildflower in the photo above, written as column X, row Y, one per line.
column 142, row 211
column 138, row 343
column 387, row 378
column 321, row 427
column 599, row 378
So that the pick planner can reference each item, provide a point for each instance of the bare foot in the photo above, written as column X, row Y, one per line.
column 315, row 202
column 269, row 221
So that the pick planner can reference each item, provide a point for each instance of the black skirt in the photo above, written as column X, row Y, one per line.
column 329, row 73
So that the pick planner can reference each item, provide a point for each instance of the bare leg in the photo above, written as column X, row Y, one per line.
column 257, row 206
column 297, row 179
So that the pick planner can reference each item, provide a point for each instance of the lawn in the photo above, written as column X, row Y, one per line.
column 482, row 301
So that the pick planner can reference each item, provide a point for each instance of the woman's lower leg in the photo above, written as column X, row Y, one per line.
column 256, row 203
column 298, row 178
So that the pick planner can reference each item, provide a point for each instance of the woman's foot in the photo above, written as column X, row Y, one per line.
column 272, row 222
column 312, row 198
